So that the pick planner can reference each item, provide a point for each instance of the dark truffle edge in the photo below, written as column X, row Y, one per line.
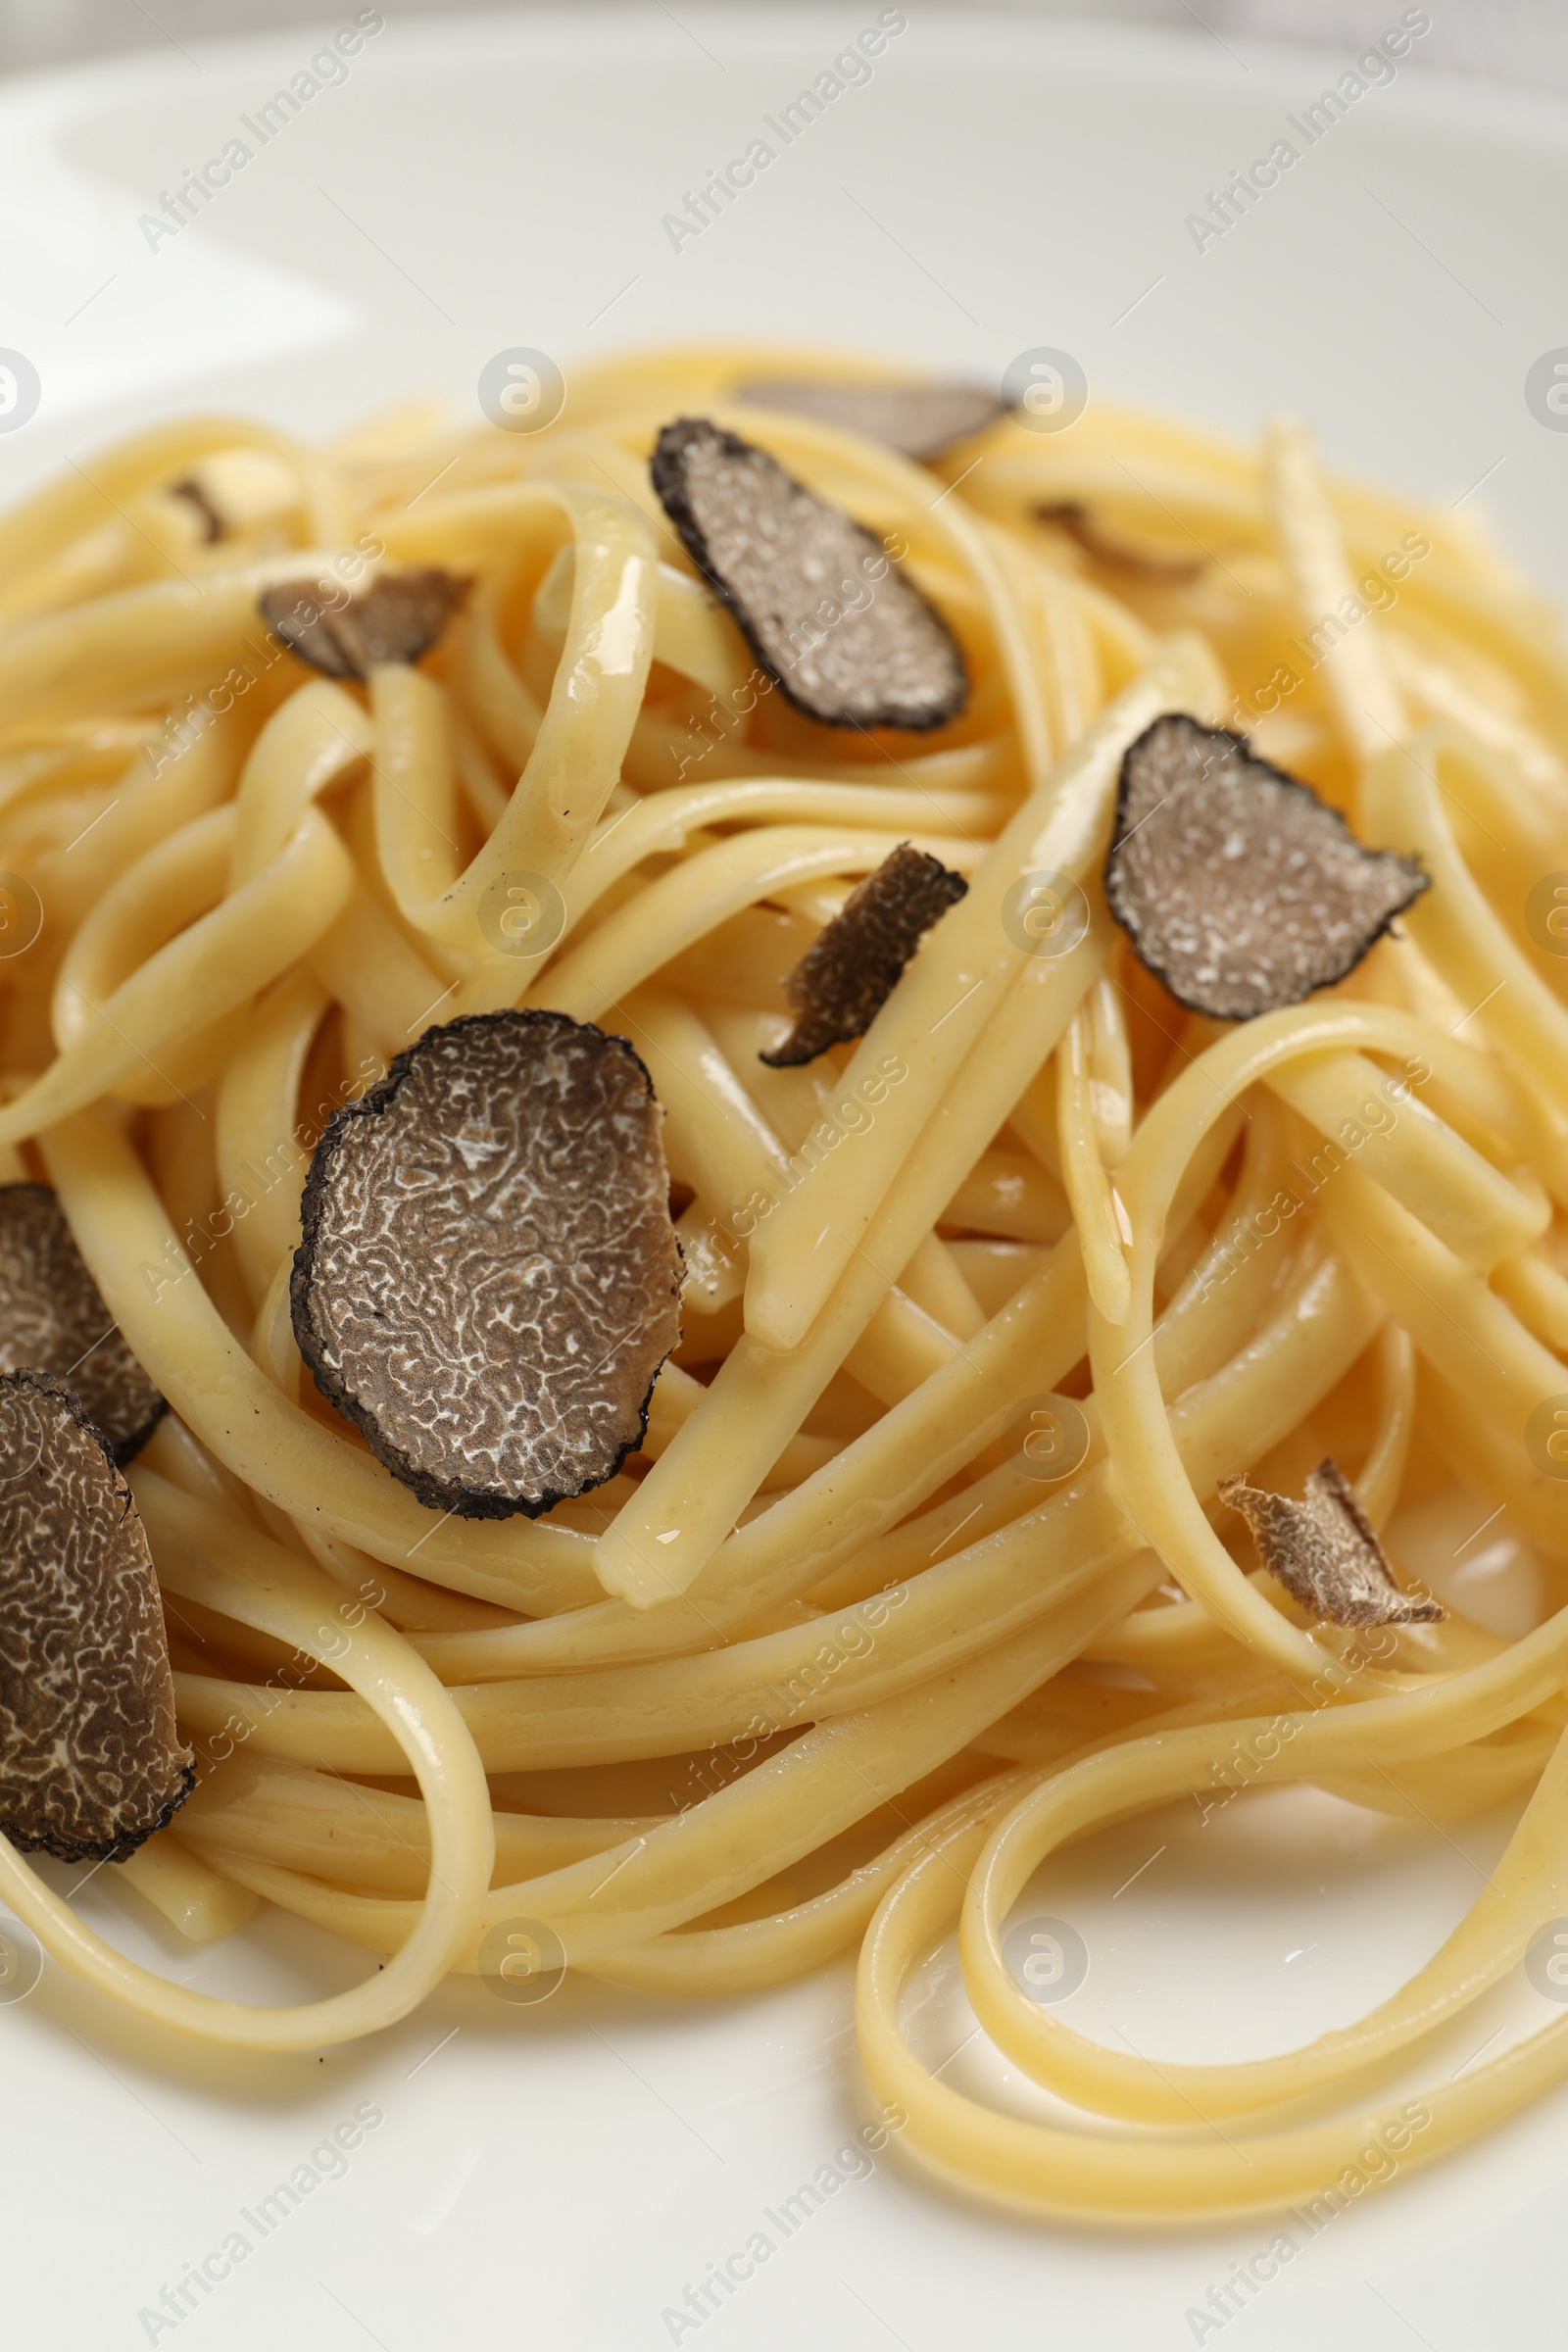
column 288, row 630
column 122, row 1449
column 457, row 588
column 667, row 470
column 780, row 1056
column 1419, row 1607
column 750, row 395
column 114, row 1849
column 128, row 1448
column 213, row 527
column 1420, row 879
column 291, row 632
column 118, row 1847
column 459, row 1501
column 1078, row 521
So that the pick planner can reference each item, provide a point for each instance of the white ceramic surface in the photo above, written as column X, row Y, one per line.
column 558, row 2176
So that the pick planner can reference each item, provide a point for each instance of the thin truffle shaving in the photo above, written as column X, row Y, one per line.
column 207, row 515
column 1080, row 525
column 1325, row 1552
column 1239, row 888
column 919, row 421
column 52, row 1319
column 397, row 619
column 848, row 640
column 489, row 1278
column 851, row 967
column 90, row 1760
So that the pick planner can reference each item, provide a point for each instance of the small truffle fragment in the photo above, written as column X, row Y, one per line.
column 211, row 522
column 90, row 1759
column 847, row 637
column 1141, row 563
column 852, row 965
column 1239, row 888
column 1325, row 1552
column 53, row 1320
column 489, row 1278
column 918, row 420
column 397, row 619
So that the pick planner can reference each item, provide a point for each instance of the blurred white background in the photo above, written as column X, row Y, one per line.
column 1523, row 41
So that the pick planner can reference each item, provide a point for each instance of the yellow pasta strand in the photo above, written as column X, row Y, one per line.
column 854, row 1654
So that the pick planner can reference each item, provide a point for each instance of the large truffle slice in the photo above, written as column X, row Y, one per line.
column 1237, row 887
column 1325, row 1552
column 852, row 965
column 847, row 637
column 53, row 1320
column 397, row 619
column 919, row 421
column 90, row 1760
column 489, row 1278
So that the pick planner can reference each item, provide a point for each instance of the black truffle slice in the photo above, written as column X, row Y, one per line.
column 851, row 967
column 1325, row 1552
column 213, row 525
column 489, row 1278
column 53, row 1320
column 90, row 1760
column 397, row 619
column 919, row 421
column 1239, row 888
column 848, row 640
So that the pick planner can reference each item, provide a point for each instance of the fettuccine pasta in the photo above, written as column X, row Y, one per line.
column 920, row 1570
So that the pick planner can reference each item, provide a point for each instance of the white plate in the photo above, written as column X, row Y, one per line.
column 560, row 2176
